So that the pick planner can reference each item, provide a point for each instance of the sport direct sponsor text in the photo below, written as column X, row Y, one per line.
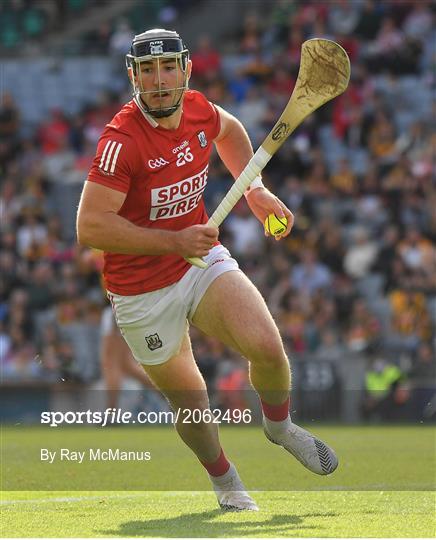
column 179, row 198
column 118, row 416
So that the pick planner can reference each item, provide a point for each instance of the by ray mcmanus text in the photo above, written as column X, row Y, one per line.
column 92, row 454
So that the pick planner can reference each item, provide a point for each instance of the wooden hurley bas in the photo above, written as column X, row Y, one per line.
column 324, row 74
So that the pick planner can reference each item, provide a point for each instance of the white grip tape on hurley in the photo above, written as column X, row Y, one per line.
column 251, row 171
column 233, row 196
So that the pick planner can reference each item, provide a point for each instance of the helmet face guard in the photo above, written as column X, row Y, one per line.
column 157, row 46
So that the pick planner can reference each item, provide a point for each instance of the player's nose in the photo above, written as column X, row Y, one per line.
column 156, row 82
column 159, row 80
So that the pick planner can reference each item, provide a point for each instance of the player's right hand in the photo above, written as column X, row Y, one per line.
column 196, row 241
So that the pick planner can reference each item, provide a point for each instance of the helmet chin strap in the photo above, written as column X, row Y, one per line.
column 161, row 113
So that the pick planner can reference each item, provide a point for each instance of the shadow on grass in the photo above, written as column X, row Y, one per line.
column 202, row 524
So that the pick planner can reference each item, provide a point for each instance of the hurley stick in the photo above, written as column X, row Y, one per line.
column 324, row 74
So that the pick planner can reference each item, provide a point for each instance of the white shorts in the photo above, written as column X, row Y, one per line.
column 107, row 323
column 154, row 324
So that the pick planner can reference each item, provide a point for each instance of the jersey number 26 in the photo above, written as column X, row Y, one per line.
column 184, row 157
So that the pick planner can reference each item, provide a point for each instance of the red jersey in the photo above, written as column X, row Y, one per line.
column 163, row 173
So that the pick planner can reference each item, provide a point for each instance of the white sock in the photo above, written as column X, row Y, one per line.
column 224, row 478
column 275, row 428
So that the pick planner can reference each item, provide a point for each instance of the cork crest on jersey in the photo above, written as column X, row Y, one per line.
column 202, row 139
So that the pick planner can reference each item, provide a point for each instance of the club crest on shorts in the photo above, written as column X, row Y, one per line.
column 154, row 342
column 202, row 138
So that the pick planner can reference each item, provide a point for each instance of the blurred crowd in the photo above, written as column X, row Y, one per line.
column 26, row 21
column 24, row 24
column 358, row 273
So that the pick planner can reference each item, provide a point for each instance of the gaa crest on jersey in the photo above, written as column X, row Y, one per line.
column 153, row 342
column 157, row 163
column 202, row 138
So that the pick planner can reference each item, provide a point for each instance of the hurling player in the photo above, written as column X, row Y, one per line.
column 143, row 206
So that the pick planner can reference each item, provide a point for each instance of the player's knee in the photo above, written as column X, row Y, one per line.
column 269, row 354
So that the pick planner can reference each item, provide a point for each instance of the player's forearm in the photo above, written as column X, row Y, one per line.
column 112, row 233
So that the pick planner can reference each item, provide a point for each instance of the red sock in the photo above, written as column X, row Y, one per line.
column 277, row 413
column 218, row 467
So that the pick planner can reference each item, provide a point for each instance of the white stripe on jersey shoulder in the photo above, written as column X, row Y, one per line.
column 109, row 158
column 109, row 155
column 147, row 116
column 103, row 156
column 114, row 161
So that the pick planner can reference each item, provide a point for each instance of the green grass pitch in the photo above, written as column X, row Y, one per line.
column 384, row 486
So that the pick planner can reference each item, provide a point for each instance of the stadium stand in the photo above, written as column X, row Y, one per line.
column 352, row 288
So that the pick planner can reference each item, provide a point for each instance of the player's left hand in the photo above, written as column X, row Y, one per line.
column 263, row 203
